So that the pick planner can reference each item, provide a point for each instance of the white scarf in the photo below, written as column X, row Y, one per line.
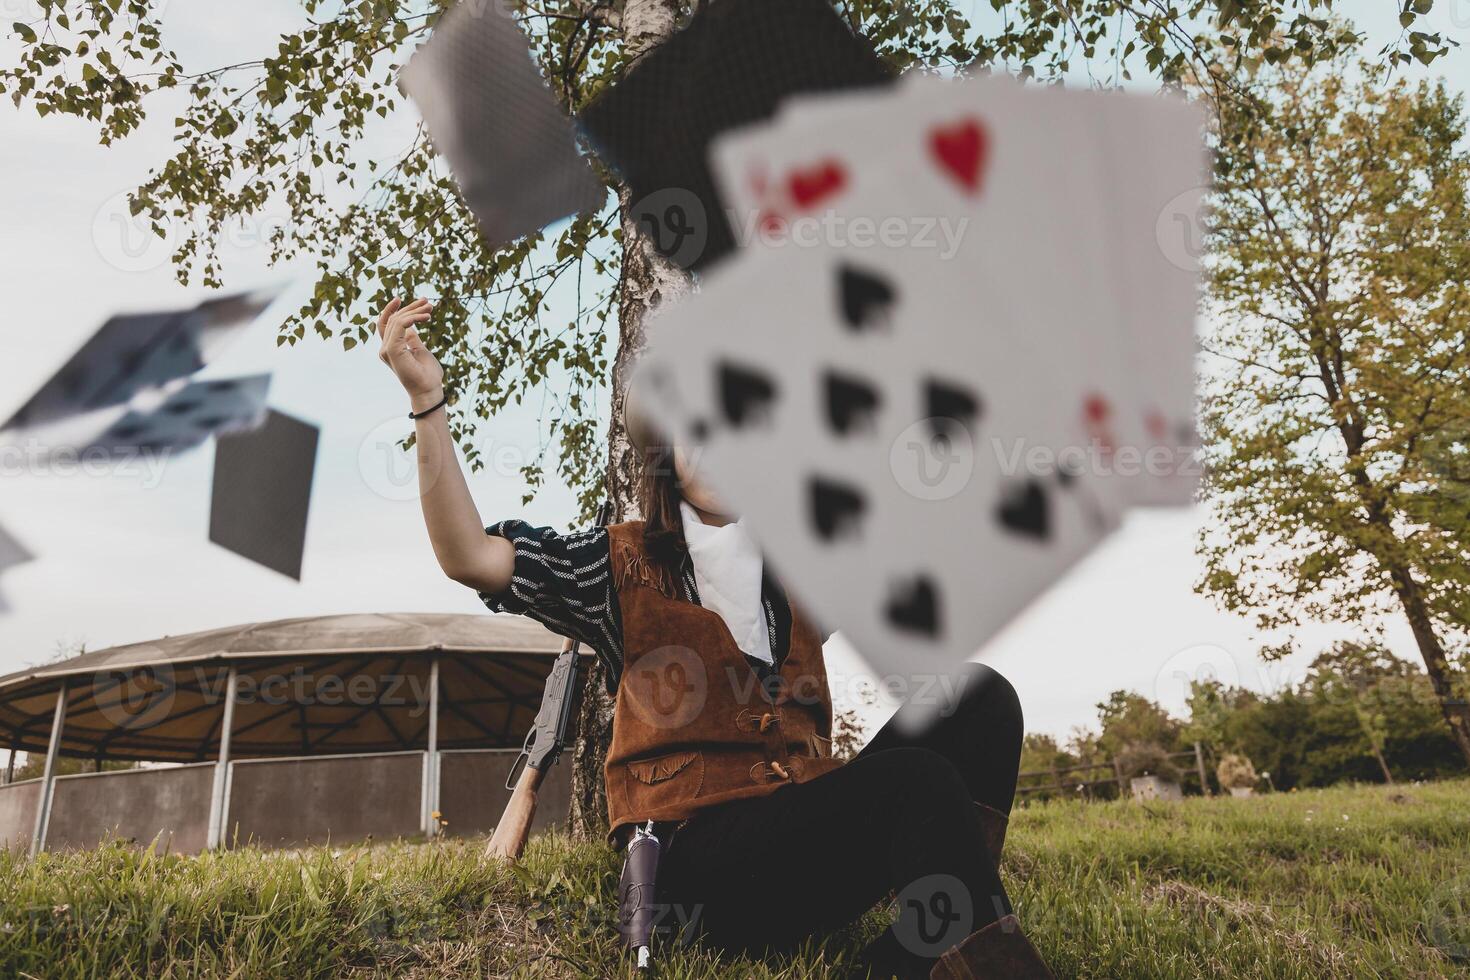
column 727, row 572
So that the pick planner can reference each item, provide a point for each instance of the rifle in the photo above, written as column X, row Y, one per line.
column 544, row 743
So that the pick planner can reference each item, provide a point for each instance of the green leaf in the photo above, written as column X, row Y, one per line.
column 26, row 34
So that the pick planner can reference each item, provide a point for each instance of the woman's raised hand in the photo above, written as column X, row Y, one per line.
column 412, row 364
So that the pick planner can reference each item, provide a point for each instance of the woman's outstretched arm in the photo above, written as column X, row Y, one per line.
column 466, row 554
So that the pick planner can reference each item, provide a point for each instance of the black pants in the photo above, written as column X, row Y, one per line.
column 900, row 818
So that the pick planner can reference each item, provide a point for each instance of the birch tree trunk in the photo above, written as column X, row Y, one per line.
column 647, row 281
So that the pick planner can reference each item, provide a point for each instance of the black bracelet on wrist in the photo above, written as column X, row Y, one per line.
column 430, row 411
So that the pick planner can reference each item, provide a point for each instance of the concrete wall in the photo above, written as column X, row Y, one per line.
column 472, row 793
column 137, row 804
column 284, row 802
column 18, row 814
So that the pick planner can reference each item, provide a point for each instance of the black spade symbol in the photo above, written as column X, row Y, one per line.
column 835, row 509
column 945, row 403
column 1026, row 509
column 745, row 395
column 865, row 299
column 851, row 403
column 913, row 605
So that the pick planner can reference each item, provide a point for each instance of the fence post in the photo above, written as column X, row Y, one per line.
column 1204, row 779
column 48, row 774
column 429, row 822
column 218, row 818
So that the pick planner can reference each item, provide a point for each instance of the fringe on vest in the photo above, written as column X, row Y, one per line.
column 631, row 565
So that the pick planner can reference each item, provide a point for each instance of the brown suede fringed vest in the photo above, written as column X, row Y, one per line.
column 694, row 726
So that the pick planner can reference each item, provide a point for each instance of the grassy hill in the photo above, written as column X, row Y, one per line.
column 1351, row 882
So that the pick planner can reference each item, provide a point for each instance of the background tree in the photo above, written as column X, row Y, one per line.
column 1312, row 734
column 1130, row 719
column 1041, row 754
column 1339, row 388
column 285, row 128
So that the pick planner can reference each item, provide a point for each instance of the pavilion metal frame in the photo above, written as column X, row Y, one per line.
column 88, row 703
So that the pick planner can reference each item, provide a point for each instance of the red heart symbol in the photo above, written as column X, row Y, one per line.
column 1158, row 427
column 815, row 183
column 961, row 149
column 1098, row 411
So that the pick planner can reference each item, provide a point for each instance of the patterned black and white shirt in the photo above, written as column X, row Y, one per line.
column 565, row 582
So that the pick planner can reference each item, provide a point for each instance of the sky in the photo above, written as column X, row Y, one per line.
column 123, row 555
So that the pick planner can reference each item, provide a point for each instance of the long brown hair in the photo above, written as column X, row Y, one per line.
column 658, row 500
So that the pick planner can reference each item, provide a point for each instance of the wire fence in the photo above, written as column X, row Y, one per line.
column 1193, row 770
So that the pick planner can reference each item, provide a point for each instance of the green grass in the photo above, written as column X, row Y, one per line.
column 1351, row 882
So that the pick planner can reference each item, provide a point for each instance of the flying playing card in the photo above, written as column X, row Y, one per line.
column 262, row 492
column 991, row 177
column 512, row 149
column 137, row 352
column 1157, row 176
column 190, row 415
column 918, row 381
column 886, row 473
column 1042, row 193
column 12, row 552
column 731, row 66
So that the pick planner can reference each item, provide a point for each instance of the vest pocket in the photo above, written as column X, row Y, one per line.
column 665, row 779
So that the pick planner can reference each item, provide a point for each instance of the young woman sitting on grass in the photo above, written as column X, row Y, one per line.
column 723, row 718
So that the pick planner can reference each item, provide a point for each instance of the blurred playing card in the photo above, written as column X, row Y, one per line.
column 190, row 415
column 882, row 455
column 136, row 352
column 12, row 552
column 510, row 146
column 1157, row 174
column 262, row 492
column 917, row 381
column 1039, row 193
column 731, row 66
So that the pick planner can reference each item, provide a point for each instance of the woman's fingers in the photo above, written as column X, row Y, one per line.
column 397, row 324
column 388, row 311
column 395, row 306
column 395, row 320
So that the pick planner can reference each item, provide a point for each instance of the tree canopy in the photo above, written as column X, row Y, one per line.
column 287, row 127
column 1338, row 387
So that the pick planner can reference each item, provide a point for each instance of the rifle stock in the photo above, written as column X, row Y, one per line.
column 509, row 839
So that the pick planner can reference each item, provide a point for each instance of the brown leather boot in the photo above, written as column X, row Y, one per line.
column 1000, row 951
column 993, row 825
